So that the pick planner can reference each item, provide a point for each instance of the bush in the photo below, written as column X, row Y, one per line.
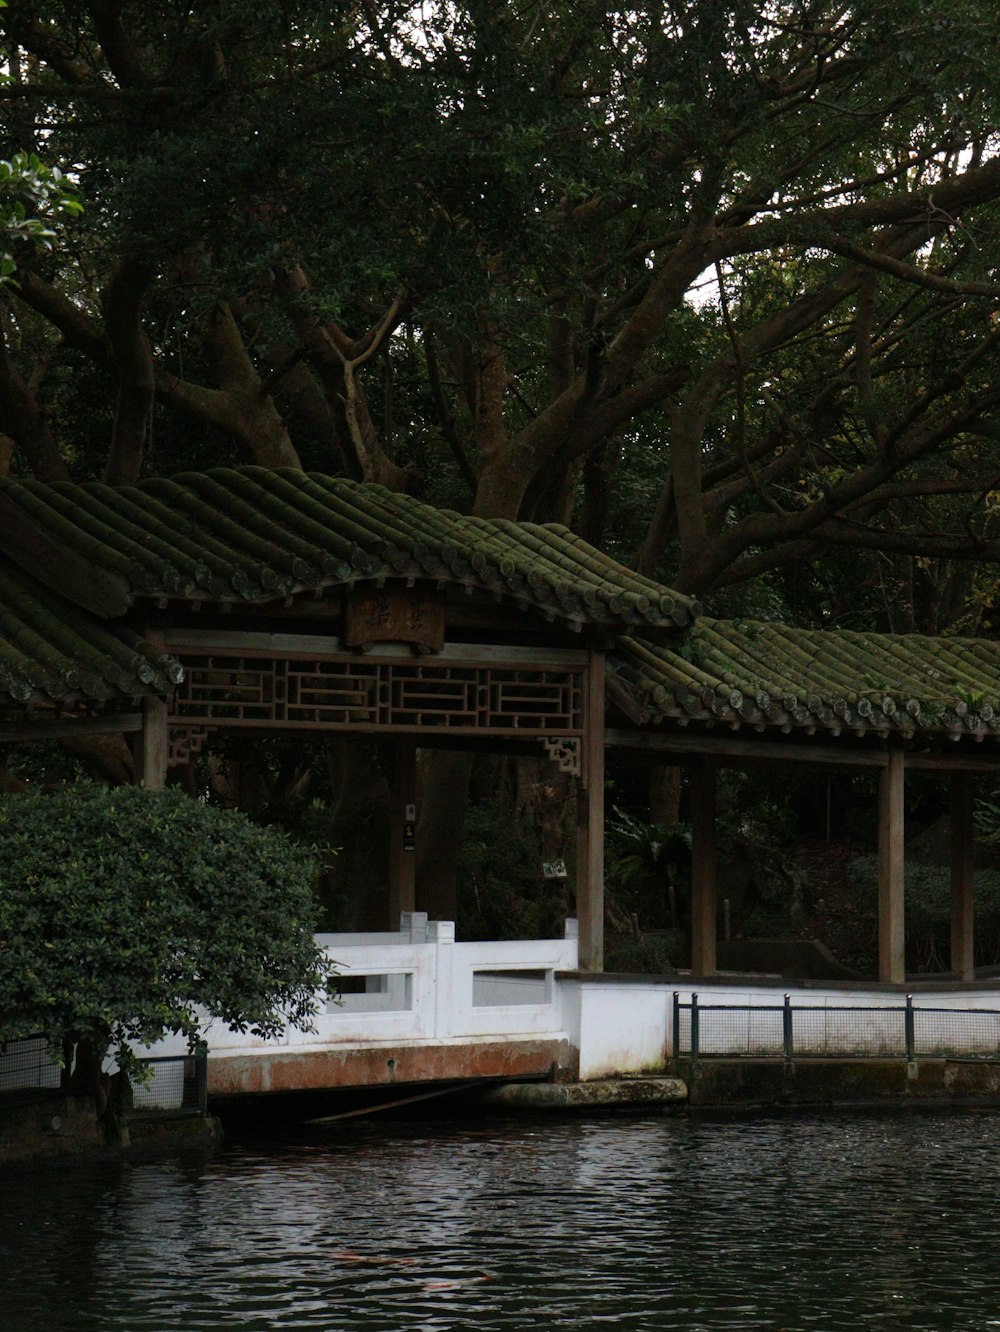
column 122, row 911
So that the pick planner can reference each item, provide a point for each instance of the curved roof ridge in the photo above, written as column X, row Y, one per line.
column 772, row 674
column 251, row 534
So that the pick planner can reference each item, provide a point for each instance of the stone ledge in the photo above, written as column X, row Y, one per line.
column 42, row 1124
column 610, row 1093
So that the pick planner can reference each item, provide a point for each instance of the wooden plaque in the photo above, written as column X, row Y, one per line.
column 394, row 615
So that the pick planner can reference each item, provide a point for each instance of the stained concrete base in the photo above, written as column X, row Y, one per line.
column 338, row 1068
column 604, row 1093
column 47, row 1124
column 43, row 1124
column 761, row 1083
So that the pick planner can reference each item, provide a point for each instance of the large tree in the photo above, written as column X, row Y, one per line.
column 761, row 238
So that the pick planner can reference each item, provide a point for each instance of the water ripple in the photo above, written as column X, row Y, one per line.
column 794, row 1224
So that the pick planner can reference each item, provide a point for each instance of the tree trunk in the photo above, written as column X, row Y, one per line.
column 665, row 795
column 443, row 783
column 355, row 888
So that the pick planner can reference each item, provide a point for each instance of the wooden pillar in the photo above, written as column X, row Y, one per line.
column 891, row 937
column 963, row 958
column 402, row 852
column 590, row 823
column 703, row 886
column 151, row 746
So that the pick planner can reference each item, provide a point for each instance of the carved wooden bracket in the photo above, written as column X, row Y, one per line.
column 564, row 751
column 185, row 743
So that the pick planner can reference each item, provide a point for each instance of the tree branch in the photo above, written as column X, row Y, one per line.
column 133, row 358
column 119, row 50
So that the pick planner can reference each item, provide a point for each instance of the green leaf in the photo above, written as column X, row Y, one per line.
column 168, row 912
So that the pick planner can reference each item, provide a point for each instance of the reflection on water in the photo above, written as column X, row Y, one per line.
column 646, row 1223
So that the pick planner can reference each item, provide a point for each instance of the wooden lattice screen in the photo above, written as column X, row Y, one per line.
column 361, row 693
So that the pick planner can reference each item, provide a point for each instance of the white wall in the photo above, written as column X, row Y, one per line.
column 420, row 986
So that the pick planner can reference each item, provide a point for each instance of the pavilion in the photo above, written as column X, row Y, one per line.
column 242, row 599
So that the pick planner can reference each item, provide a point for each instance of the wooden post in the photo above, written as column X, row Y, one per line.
column 703, row 886
column 402, row 851
column 891, row 936
column 151, row 746
column 590, row 823
column 963, row 958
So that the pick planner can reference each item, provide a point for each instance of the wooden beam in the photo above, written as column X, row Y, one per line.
column 235, row 641
column 59, row 727
column 703, row 886
column 963, row 959
column 402, row 849
column 590, row 824
column 828, row 753
column 954, row 762
column 891, row 937
column 735, row 753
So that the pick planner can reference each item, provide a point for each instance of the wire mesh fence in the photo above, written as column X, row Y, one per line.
column 175, row 1083
column 787, row 1031
column 28, row 1064
column 938, row 1032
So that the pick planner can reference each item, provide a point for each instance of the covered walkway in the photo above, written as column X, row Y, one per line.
column 418, row 1008
column 246, row 601
column 746, row 694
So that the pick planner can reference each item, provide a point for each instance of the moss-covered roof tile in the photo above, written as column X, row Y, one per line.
column 252, row 534
column 53, row 653
column 776, row 676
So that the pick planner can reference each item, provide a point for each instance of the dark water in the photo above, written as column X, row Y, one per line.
column 862, row 1222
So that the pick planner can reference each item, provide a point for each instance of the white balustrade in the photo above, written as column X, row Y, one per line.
column 418, row 984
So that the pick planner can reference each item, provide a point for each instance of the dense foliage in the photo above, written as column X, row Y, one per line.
column 716, row 279
column 928, row 912
column 125, row 914
column 33, row 197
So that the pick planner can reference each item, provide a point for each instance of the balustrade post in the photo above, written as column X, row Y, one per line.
column 787, row 1035
column 911, row 1043
column 414, row 925
column 441, row 933
column 695, row 1034
column 571, row 934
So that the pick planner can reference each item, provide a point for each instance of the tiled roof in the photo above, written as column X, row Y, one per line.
column 772, row 676
column 252, row 535
column 53, row 653
column 249, row 535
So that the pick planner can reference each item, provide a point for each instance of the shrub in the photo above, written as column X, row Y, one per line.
column 126, row 914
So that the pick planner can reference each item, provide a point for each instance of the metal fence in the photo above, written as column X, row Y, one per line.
column 28, row 1064
column 172, row 1084
column 788, row 1031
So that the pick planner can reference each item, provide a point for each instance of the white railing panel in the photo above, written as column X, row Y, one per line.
column 527, row 954
column 505, row 989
